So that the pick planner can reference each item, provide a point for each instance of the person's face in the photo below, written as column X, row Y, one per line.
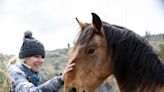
column 35, row 62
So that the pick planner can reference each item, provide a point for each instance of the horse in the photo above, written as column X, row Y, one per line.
column 104, row 49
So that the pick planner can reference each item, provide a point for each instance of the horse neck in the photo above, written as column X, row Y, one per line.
column 138, row 69
column 148, row 81
column 136, row 66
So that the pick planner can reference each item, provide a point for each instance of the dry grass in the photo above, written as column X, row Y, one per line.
column 4, row 75
column 4, row 79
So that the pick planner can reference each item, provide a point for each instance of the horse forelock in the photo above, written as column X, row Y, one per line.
column 85, row 34
column 135, row 63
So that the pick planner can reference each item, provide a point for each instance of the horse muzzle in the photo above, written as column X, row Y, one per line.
column 75, row 90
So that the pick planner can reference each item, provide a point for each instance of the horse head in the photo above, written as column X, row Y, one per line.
column 92, row 58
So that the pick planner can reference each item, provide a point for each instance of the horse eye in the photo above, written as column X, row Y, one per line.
column 91, row 50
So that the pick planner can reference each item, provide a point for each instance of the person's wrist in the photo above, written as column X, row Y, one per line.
column 62, row 76
column 61, row 80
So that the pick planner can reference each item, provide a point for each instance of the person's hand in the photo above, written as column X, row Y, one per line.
column 67, row 69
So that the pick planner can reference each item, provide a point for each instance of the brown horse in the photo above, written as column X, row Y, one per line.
column 103, row 49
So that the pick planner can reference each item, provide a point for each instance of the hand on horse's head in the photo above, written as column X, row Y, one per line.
column 67, row 69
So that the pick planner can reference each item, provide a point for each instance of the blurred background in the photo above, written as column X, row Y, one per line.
column 53, row 23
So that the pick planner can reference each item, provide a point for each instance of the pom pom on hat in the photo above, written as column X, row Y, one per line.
column 28, row 34
column 31, row 46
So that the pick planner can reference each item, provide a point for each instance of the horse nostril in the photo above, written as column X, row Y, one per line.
column 73, row 90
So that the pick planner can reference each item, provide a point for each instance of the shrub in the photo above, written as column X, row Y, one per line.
column 4, row 78
column 161, row 52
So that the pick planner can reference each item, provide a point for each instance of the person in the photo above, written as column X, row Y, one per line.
column 25, row 74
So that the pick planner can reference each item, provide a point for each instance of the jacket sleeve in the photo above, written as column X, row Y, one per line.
column 52, row 85
column 21, row 84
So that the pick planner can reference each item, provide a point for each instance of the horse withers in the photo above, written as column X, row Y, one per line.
column 103, row 49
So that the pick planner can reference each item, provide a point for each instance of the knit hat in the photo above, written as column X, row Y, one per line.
column 31, row 46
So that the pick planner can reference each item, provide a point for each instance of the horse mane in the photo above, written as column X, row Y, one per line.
column 85, row 35
column 135, row 64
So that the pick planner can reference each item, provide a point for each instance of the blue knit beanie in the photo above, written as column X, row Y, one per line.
column 31, row 46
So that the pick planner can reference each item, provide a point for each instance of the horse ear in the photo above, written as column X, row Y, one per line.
column 96, row 22
column 80, row 23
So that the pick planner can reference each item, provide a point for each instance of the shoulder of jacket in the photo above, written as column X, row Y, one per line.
column 13, row 69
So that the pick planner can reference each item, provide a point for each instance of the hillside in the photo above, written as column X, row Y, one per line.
column 55, row 61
